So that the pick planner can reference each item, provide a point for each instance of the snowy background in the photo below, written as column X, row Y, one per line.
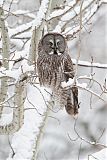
column 60, row 139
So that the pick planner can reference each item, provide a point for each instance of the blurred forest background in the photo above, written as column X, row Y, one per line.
column 60, row 140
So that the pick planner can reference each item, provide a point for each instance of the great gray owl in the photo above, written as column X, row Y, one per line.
column 54, row 66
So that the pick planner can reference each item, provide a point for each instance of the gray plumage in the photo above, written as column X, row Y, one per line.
column 54, row 66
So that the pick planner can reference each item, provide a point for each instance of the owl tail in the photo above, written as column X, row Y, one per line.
column 72, row 101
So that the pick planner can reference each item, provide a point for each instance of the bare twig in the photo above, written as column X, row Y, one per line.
column 9, row 9
column 93, row 157
column 79, row 44
column 13, row 152
column 89, row 78
column 89, row 142
column 79, row 150
column 95, row 94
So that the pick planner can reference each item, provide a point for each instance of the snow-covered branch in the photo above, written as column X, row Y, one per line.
column 69, row 20
column 89, row 64
column 82, row 86
column 38, row 26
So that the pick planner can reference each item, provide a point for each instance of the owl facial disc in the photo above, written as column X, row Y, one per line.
column 54, row 47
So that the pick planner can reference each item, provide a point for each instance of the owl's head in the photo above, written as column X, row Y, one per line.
column 53, row 44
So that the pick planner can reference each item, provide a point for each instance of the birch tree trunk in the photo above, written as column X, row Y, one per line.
column 19, row 94
column 18, row 111
column 5, row 57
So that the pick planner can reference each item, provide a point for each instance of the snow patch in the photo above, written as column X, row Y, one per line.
column 67, row 84
column 41, row 13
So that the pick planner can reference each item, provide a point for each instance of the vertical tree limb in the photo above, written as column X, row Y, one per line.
column 5, row 55
column 18, row 110
column 79, row 43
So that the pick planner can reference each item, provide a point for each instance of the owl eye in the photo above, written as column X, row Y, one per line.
column 51, row 43
column 59, row 43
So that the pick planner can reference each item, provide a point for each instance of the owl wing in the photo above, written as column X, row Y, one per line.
column 68, row 68
column 40, row 60
column 72, row 100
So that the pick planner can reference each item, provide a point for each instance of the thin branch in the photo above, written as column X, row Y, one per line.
column 89, row 142
column 13, row 152
column 100, row 136
column 80, row 150
column 75, row 29
column 93, row 93
column 79, row 44
column 92, row 157
column 50, row 108
column 76, row 15
column 89, row 78
column 9, row 9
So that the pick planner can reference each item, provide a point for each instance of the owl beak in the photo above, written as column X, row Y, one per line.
column 55, row 48
column 55, row 51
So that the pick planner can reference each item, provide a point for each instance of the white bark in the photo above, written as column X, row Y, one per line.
column 38, row 27
column 18, row 111
column 19, row 88
column 5, row 55
column 53, row 6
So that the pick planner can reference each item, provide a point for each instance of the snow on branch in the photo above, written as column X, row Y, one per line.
column 41, row 13
column 37, row 29
column 25, row 13
column 26, row 27
column 89, row 64
column 59, row 13
column 69, row 20
column 82, row 86
column 15, row 74
column 20, row 29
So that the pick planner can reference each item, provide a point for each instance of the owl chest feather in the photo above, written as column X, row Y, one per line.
column 51, row 71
